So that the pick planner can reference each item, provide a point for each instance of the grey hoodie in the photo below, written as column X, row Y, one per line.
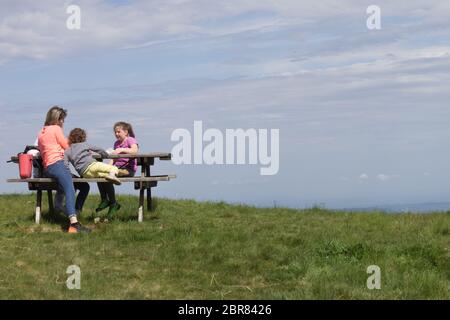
column 80, row 155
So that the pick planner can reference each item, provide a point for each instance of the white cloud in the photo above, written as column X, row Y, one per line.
column 37, row 29
column 364, row 176
column 383, row 177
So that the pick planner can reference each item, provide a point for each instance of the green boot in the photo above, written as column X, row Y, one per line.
column 112, row 211
column 103, row 205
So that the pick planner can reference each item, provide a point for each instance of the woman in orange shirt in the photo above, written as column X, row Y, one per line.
column 52, row 143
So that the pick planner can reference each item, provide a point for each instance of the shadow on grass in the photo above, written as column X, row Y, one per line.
column 57, row 218
column 126, row 213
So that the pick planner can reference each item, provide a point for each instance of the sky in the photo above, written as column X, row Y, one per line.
column 362, row 113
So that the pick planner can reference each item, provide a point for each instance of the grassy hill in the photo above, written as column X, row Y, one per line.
column 201, row 250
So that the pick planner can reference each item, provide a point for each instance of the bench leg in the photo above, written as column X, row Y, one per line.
column 149, row 190
column 50, row 201
column 141, row 205
column 38, row 206
column 149, row 199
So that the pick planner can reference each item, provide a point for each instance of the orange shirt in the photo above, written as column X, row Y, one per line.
column 52, row 144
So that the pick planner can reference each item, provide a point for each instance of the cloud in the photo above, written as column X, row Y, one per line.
column 343, row 97
column 37, row 29
column 385, row 177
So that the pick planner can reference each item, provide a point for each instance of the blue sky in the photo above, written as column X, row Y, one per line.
column 363, row 114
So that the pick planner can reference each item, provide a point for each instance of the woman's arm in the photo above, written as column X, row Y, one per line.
column 61, row 139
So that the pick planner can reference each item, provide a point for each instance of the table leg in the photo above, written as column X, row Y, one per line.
column 149, row 190
column 142, row 194
column 38, row 206
column 141, row 205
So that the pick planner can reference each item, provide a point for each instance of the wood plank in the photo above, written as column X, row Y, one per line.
column 145, row 185
column 152, row 155
column 129, row 179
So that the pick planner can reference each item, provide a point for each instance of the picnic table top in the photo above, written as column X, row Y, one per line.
column 160, row 155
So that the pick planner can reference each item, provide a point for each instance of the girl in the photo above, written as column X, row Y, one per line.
column 52, row 143
column 125, row 144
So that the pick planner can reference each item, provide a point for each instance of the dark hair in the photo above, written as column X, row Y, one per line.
column 125, row 126
column 54, row 115
column 77, row 135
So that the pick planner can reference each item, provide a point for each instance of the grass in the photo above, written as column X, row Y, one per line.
column 202, row 250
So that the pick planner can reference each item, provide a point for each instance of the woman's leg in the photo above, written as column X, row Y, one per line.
column 82, row 195
column 62, row 175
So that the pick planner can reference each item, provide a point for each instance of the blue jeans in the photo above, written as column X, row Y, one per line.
column 61, row 174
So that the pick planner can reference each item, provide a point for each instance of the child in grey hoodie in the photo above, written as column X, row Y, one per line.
column 80, row 155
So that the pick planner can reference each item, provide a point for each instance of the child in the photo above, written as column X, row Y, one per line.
column 52, row 144
column 80, row 155
column 125, row 144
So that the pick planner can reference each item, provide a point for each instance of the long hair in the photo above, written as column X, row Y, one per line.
column 54, row 115
column 125, row 126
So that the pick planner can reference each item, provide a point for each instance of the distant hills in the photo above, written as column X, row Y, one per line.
column 410, row 207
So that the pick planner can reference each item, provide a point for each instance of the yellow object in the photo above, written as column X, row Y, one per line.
column 99, row 170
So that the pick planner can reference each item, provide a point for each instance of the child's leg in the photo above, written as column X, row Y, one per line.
column 100, row 170
column 82, row 195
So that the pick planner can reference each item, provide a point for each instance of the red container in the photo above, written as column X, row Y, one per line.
column 25, row 165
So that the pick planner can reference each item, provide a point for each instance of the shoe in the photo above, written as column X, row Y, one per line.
column 103, row 205
column 123, row 173
column 78, row 228
column 112, row 177
column 112, row 211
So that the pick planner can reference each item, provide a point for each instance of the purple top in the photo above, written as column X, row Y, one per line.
column 125, row 163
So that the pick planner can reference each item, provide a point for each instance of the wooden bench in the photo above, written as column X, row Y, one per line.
column 143, row 183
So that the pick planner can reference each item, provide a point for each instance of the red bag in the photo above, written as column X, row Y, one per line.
column 25, row 165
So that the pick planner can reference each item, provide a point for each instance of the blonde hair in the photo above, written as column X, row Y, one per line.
column 54, row 115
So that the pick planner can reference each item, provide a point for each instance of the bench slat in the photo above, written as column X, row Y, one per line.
column 130, row 179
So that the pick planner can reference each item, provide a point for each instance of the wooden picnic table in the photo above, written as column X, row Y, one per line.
column 143, row 183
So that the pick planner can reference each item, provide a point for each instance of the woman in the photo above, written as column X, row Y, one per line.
column 52, row 143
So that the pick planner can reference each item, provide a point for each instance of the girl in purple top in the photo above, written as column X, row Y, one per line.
column 126, row 144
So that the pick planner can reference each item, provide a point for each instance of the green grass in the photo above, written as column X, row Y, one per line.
column 202, row 250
